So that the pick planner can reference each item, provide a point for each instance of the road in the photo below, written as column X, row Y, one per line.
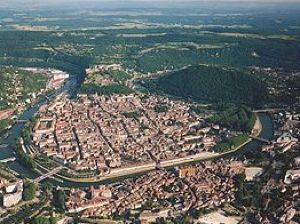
column 49, row 174
column 129, row 171
column 6, row 149
column 116, row 173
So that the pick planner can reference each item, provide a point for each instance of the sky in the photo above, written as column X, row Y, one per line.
column 21, row 4
column 7, row 2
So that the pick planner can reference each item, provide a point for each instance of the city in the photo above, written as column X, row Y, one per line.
column 142, row 112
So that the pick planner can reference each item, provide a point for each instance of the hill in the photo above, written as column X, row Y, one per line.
column 214, row 84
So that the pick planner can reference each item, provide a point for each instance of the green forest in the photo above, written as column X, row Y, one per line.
column 215, row 85
column 239, row 118
column 26, row 81
column 91, row 88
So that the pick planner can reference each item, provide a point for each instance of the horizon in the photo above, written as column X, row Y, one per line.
column 123, row 4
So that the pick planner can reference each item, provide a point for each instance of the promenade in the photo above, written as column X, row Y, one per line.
column 129, row 171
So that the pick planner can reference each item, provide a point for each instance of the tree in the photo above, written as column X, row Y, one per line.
column 25, row 159
column 59, row 200
column 43, row 220
column 52, row 220
column 29, row 191
column 76, row 219
column 239, row 183
column 47, row 187
column 92, row 88
column 214, row 84
column 238, row 118
column 4, row 124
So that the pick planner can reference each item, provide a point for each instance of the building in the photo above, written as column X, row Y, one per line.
column 12, row 194
column 291, row 176
column 187, row 171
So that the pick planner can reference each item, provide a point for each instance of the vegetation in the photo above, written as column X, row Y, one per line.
column 239, row 118
column 59, row 200
column 79, row 174
column 161, row 108
column 117, row 75
column 247, row 195
column 200, row 109
column 231, row 143
column 197, row 213
column 132, row 114
column 6, row 173
column 29, row 191
column 24, row 158
column 23, row 213
column 240, row 184
column 27, row 132
column 214, row 84
column 47, row 187
column 25, row 81
column 43, row 220
column 46, row 162
column 4, row 124
column 91, row 88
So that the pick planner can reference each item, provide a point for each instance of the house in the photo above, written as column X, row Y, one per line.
column 292, row 176
column 286, row 138
column 12, row 193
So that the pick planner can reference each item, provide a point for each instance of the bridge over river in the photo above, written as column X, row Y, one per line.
column 7, row 152
column 266, row 134
column 266, row 110
column 49, row 174
column 263, row 140
column 11, row 159
column 7, row 142
column 3, row 146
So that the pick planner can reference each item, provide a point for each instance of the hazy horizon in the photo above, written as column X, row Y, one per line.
column 113, row 4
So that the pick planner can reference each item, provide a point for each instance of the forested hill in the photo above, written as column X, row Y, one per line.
column 214, row 84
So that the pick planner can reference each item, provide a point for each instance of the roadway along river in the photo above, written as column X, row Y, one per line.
column 266, row 133
column 15, row 132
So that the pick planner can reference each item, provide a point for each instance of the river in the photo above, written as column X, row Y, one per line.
column 266, row 133
column 16, row 130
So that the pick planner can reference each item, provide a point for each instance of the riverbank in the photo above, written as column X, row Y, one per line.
column 7, row 149
column 129, row 171
column 121, row 174
column 257, row 128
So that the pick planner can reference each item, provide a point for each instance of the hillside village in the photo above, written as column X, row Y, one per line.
column 22, row 87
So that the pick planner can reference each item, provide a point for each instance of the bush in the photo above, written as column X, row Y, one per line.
column 234, row 117
column 4, row 124
column 25, row 159
column 59, row 200
column 43, row 220
column 29, row 191
column 161, row 108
